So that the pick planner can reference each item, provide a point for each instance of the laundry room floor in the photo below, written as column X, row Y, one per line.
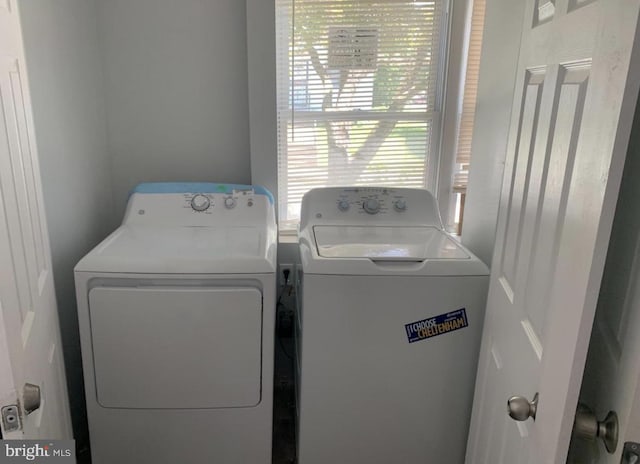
column 284, row 450
column 284, row 428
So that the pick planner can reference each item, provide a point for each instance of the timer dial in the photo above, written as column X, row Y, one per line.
column 200, row 202
column 371, row 205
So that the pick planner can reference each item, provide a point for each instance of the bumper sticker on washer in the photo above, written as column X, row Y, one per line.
column 437, row 325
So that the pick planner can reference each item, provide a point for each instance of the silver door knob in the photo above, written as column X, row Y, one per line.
column 521, row 409
column 587, row 426
column 30, row 398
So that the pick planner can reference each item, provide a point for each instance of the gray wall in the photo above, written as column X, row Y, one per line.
column 501, row 43
column 261, row 58
column 65, row 78
column 176, row 91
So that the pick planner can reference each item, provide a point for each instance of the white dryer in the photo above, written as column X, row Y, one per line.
column 388, row 329
column 176, row 314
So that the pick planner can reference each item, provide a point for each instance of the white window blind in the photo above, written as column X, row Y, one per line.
column 358, row 89
column 465, row 130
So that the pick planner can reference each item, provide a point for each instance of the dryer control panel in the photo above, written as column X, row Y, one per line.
column 199, row 204
column 370, row 205
column 207, row 202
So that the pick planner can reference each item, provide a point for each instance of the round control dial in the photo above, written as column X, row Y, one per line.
column 200, row 202
column 371, row 205
column 230, row 202
column 343, row 205
column 400, row 205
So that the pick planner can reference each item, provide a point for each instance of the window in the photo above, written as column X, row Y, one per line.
column 358, row 95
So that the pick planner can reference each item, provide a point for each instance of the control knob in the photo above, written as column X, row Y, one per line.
column 200, row 203
column 371, row 205
column 343, row 205
column 230, row 202
column 400, row 205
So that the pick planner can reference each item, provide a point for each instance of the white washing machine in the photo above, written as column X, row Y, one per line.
column 388, row 331
column 176, row 313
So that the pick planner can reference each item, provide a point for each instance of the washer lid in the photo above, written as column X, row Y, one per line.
column 386, row 243
column 193, row 250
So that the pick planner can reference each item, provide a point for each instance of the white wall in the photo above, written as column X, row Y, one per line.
column 261, row 58
column 65, row 78
column 501, row 43
column 176, row 91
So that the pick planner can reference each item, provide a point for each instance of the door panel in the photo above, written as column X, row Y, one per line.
column 545, row 10
column 17, row 180
column 28, row 320
column 521, row 176
column 567, row 144
column 546, row 211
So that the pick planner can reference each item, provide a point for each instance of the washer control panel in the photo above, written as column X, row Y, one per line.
column 371, row 201
column 369, row 205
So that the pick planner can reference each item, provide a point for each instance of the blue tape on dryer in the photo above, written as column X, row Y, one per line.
column 437, row 325
column 198, row 187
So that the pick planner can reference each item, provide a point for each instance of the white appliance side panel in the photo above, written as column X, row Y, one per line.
column 170, row 347
column 369, row 392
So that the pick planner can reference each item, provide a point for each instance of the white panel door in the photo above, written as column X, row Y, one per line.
column 572, row 113
column 30, row 349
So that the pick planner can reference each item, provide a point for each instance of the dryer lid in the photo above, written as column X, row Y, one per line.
column 193, row 250
column 386, row 243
